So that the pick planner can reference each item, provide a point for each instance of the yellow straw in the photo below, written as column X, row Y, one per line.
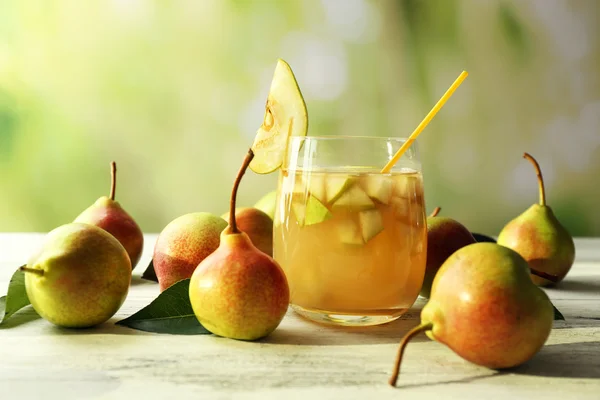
column 425, row 121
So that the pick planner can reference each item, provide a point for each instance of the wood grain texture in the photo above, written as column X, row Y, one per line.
column 299, row 360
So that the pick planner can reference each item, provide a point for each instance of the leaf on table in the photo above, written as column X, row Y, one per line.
column 16, row 296
column 557, row 314
column 149, row 273
column 171, row 312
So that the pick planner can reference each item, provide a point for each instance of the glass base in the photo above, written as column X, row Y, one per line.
column 358, row 318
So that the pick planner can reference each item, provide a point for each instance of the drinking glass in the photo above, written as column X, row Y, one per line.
column 351, row 240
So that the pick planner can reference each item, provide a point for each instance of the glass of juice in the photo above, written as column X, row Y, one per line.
column 351, row 240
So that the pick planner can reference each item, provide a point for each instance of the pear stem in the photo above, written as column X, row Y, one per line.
column 435, row 212
column 412, row 333
column 32, row 271
column 233, row 229
column 540, row 178
column 549, row 277
column 113, row 180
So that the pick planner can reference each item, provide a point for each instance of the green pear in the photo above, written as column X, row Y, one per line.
column 267, row 203
column 238, row 291
column 80, row 276
column 485, row 307
column 540, row 239
column 108, row 214
column 257, row 225
column 183, row 244
column 444, row 236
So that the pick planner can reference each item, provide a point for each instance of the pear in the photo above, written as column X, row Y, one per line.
column 335, row 186
column 183, row 243
column 257, row 225
column 480, row 237
column 444, row 236
column 316, row 187
column 368, row 226
column 108, row 214
column 80, row 276
column 238, row 291
column 539, row 238
column 354, row 199
column 379, row 187
column 312, row 212
column 267, row 203
column 285, row 116
column 485, row 307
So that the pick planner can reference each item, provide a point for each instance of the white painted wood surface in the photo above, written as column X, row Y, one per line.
column 300, row 360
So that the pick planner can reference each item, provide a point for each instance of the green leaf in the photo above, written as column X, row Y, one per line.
column 171, row 312
column 557, row 314
column 16, row 296
column 149, row 273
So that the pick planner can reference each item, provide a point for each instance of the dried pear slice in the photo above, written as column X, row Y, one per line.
column 285, row 116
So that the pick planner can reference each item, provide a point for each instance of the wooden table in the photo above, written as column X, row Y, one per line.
column 300, row 360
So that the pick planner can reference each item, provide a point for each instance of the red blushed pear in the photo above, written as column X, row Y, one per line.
column 257, row 225
column 539, row 237
column 106, row 213
column 183, row 244
column 485, row 307
column 444, row 236
column 238, row 291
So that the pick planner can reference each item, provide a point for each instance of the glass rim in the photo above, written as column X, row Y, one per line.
column 346, row 137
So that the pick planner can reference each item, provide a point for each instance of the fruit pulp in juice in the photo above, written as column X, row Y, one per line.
column 351, row 243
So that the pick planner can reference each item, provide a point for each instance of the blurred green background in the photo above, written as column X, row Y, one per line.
column 174, row 92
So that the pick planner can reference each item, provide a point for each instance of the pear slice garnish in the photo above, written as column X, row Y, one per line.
column 313, row 212
column 379, row 187
column 355, row 199
column 285, row 116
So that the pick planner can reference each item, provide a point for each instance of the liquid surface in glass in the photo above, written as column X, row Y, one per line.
column 351, row 242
